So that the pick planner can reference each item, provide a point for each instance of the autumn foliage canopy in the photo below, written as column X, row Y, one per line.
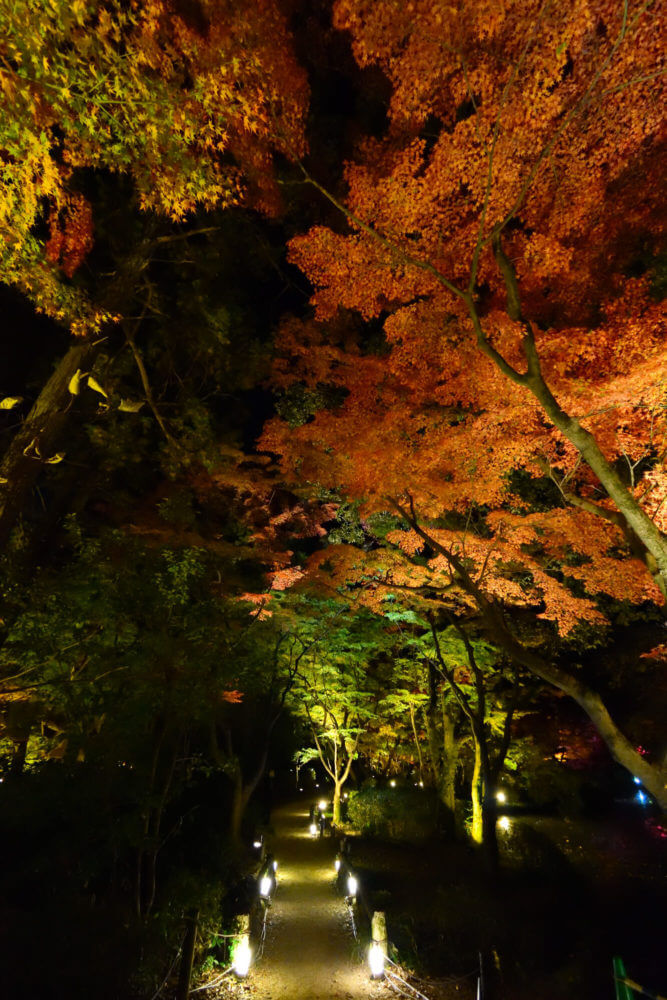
column 493, row 232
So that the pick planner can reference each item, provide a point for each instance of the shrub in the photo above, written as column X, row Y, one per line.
column 393, row 813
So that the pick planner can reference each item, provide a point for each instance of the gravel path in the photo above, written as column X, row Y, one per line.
column 310, row 950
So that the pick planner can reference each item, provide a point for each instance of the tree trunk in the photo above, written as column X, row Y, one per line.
column 483, row 828
column 586, row 444
column 36, row 440
column 477, row 789
column 239, row 802
column 187, row 958
column 338, row 787
column 450, row 756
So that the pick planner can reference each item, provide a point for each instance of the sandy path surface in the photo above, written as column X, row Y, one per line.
column 310, row 950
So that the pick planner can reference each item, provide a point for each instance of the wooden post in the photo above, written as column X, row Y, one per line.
column 379, row 930
column 185, row 973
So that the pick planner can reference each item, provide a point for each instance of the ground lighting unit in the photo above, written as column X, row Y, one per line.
column 265, row 884
column 376, row 960
column 352, row 886
column 242, row 958
column 313, row 829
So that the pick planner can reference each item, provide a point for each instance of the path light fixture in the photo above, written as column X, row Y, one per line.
column 392, row 783
column 504, row 823
column 242, row 957
column 352, row 886
column 257, row 844
column 642, row 798
column 376, row 960
column 337, row 864
column 501, row 797
column 265, row 886
column 313, row 829
column 322, row 805
column 275, row 866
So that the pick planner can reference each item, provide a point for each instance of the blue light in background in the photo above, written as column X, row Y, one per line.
column 642, row 797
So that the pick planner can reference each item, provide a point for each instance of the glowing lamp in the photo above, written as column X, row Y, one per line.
column 344, row 795
column 642, row 797
column 504, row 823
column 313, row 829
column 275, row 866
column 322, row 805
column 337, row 864
column 265, row 884
column 376, row 960
column 637, row 780
column 352, row 885
column 392, row 783
column 421, row 784
column 242, row 957
column 257, row 844
column 501, row 797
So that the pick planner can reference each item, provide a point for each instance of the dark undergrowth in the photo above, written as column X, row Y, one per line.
column 569, row 896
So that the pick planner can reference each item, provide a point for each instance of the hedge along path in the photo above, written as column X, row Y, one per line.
column 310, row 950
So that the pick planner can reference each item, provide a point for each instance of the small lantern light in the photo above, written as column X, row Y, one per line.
column 322, row 805
column 504, row 823
column 392, row 783
column 265, row 886
column 376, row 960
column 501, row 797
column 313, row 829
column 257, row 844
column 275, row 866
column 642, row 797
column 352, row 886
column 242, row 957
column 337, row 864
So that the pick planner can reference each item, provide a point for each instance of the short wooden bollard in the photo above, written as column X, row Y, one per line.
column 379, row 930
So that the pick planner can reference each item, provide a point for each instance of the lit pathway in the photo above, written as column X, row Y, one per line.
column 309, row 952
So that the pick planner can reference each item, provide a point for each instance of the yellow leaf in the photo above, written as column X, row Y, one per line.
column 94, row 384
column 58, row 457
column 130, row 405
column 9, row 402
column 74, row 383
